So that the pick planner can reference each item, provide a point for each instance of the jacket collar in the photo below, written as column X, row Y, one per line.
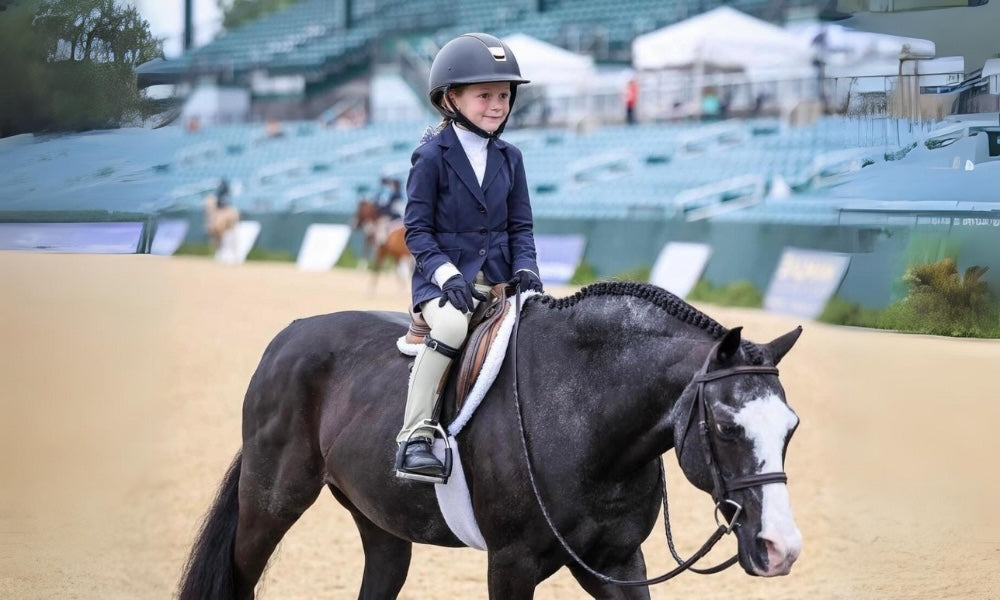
column 454, row 155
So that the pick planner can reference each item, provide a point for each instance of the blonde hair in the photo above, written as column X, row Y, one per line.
column 432, row 130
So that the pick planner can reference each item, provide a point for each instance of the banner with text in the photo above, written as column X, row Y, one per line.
column 804, row 281
column 95, row 238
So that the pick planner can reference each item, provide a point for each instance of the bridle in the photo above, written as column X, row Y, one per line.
column 702, row 413
column 721, row 487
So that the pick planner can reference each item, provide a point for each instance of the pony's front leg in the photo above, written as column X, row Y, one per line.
column 512, row 575
column 632, row 568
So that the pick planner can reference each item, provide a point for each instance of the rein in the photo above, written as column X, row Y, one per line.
column 721, row 487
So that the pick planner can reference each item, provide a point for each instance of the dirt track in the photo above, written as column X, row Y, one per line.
column 121, row 380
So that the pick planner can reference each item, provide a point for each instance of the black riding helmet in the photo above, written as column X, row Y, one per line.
column 473, row 58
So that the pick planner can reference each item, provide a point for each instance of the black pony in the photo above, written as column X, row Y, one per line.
column 607, row 381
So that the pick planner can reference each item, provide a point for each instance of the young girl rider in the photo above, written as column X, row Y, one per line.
column 468, row 220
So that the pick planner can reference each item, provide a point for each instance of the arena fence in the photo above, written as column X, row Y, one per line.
column 880, row 247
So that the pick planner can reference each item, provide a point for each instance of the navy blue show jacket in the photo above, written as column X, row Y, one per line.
column 451, row 218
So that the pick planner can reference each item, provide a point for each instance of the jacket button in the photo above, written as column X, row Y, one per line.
column 482, row 230
column 482, row 208
column 482, row 252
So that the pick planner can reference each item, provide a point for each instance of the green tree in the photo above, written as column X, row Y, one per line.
column 239, row 12
column 70, row 65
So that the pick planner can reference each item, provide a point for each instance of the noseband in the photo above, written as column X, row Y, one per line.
column 702, row 413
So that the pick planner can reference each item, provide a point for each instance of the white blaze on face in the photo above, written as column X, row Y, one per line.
column 767, row 422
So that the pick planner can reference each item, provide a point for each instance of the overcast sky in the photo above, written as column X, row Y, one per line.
column 166, row 20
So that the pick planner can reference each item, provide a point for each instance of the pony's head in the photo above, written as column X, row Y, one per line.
column 732, row 426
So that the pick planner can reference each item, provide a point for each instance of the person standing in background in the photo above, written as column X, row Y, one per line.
column 631, row 99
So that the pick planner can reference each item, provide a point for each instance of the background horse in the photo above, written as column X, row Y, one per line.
column 382, row 240
column 609, row 380
column 219, row 220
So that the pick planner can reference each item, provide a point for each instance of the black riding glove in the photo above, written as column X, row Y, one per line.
column 526, row 280
column 460, row 293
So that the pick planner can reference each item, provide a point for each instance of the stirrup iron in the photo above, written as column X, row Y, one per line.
column 401, row 453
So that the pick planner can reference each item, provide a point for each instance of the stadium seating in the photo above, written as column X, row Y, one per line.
column 611, row 171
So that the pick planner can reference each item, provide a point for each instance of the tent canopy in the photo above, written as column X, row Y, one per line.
column 545, row 64
column 721, row 39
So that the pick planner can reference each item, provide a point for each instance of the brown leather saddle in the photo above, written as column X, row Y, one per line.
column 483, row 328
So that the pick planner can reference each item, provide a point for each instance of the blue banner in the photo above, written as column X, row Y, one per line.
column 170, row 234
column 96, row 238
column 559, row 256
column 804, row 281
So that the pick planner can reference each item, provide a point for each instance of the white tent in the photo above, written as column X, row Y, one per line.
column 546, row 64
column 720, row 39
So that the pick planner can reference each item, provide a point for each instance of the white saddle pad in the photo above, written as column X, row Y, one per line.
column 453, row 497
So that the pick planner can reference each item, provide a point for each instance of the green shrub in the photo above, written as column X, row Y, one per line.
column 941, row 302
column 584, row 274
column 348, row 259
column 739, row 293
column 843, row 312
column 270, row 255
column 194, row 250
column 640, row 274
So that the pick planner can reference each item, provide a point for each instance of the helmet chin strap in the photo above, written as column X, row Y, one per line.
column 464, row 121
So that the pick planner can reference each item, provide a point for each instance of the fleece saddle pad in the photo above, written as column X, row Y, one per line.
column 453, row 497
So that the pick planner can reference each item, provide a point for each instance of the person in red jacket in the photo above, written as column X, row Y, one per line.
column 631, row 98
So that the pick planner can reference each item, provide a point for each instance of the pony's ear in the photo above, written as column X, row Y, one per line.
column 729, row 346
column 780, row 346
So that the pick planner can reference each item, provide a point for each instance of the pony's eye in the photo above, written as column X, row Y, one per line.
column 729, row 431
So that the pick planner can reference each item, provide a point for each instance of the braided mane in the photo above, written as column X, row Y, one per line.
column 669, row 303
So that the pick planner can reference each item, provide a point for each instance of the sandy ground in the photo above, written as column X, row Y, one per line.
column 121, row 380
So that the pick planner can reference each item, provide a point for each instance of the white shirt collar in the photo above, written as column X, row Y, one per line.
column 475, row 149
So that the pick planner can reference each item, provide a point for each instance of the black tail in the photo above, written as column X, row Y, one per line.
column 209, row 570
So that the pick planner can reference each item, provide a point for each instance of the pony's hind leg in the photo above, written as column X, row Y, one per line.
column 387, row 557
column 274, row 492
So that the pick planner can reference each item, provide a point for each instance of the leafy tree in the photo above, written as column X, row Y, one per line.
column 239, row 12
column 70, row 65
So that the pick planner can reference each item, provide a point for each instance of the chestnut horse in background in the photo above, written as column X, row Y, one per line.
column 382, row 240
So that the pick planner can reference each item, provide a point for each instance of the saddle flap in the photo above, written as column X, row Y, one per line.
column 483, row 327
column 485, row 324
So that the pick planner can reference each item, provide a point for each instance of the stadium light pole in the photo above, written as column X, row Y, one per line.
column 188, row 24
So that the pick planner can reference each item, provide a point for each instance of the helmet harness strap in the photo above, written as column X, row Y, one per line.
column 456, row 115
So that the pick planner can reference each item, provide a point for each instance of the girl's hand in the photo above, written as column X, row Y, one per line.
column 460, row 294
column 526, row 280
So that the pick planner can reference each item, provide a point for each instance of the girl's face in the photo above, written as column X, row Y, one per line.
column 486, row 105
